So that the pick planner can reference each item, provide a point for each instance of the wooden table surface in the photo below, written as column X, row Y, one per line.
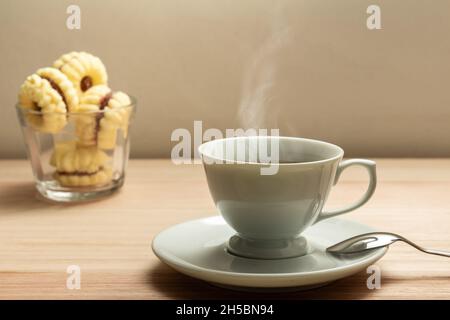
column 110, row 239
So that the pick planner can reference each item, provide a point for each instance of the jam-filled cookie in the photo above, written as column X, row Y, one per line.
column 83, row 69
column 80, row 166
column 62, row 85
column 102, row 113
column 48, row 95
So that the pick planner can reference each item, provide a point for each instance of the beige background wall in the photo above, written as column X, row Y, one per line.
column 376, row 93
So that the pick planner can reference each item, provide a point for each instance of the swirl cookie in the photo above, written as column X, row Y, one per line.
column 110, row 114
column 49, row 95
column 116, row 116
column 80, row 166
column 62, row 85
column 83, row 69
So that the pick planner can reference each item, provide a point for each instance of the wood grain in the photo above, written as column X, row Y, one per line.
column 110, row 239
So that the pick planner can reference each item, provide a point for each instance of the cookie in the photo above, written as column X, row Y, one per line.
column 83, row 69
column 112, row 111
column 80, row 166
column 116, row 116
column 44, row 105
column 62, row 85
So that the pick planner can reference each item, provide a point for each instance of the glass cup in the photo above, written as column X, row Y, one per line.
column 77, row 156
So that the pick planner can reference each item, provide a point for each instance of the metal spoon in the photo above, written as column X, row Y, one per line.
column 372, row 240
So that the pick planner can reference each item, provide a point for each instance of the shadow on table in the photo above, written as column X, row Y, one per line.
column 22, row 197
column 174, row 285
column 19, row 197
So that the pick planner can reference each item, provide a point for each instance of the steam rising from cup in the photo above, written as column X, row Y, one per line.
column 255, row 111
column 259, row 79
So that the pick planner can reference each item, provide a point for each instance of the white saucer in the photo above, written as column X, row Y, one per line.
column 198, row 249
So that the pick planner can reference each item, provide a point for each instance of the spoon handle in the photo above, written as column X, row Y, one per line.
column 437, row 252
column 429, row 251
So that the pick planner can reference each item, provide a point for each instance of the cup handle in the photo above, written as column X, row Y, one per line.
column 371, row 169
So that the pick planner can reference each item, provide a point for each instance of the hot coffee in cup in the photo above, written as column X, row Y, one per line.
column 270, row 200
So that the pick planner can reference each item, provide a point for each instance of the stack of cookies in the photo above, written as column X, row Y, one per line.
column 76, row 89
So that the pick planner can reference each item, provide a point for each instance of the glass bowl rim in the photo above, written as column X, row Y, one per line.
column 131, row 105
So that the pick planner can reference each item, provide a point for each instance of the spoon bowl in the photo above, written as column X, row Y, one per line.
column 373, row 240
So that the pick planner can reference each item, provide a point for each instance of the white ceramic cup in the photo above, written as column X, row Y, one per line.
column 269, row 212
